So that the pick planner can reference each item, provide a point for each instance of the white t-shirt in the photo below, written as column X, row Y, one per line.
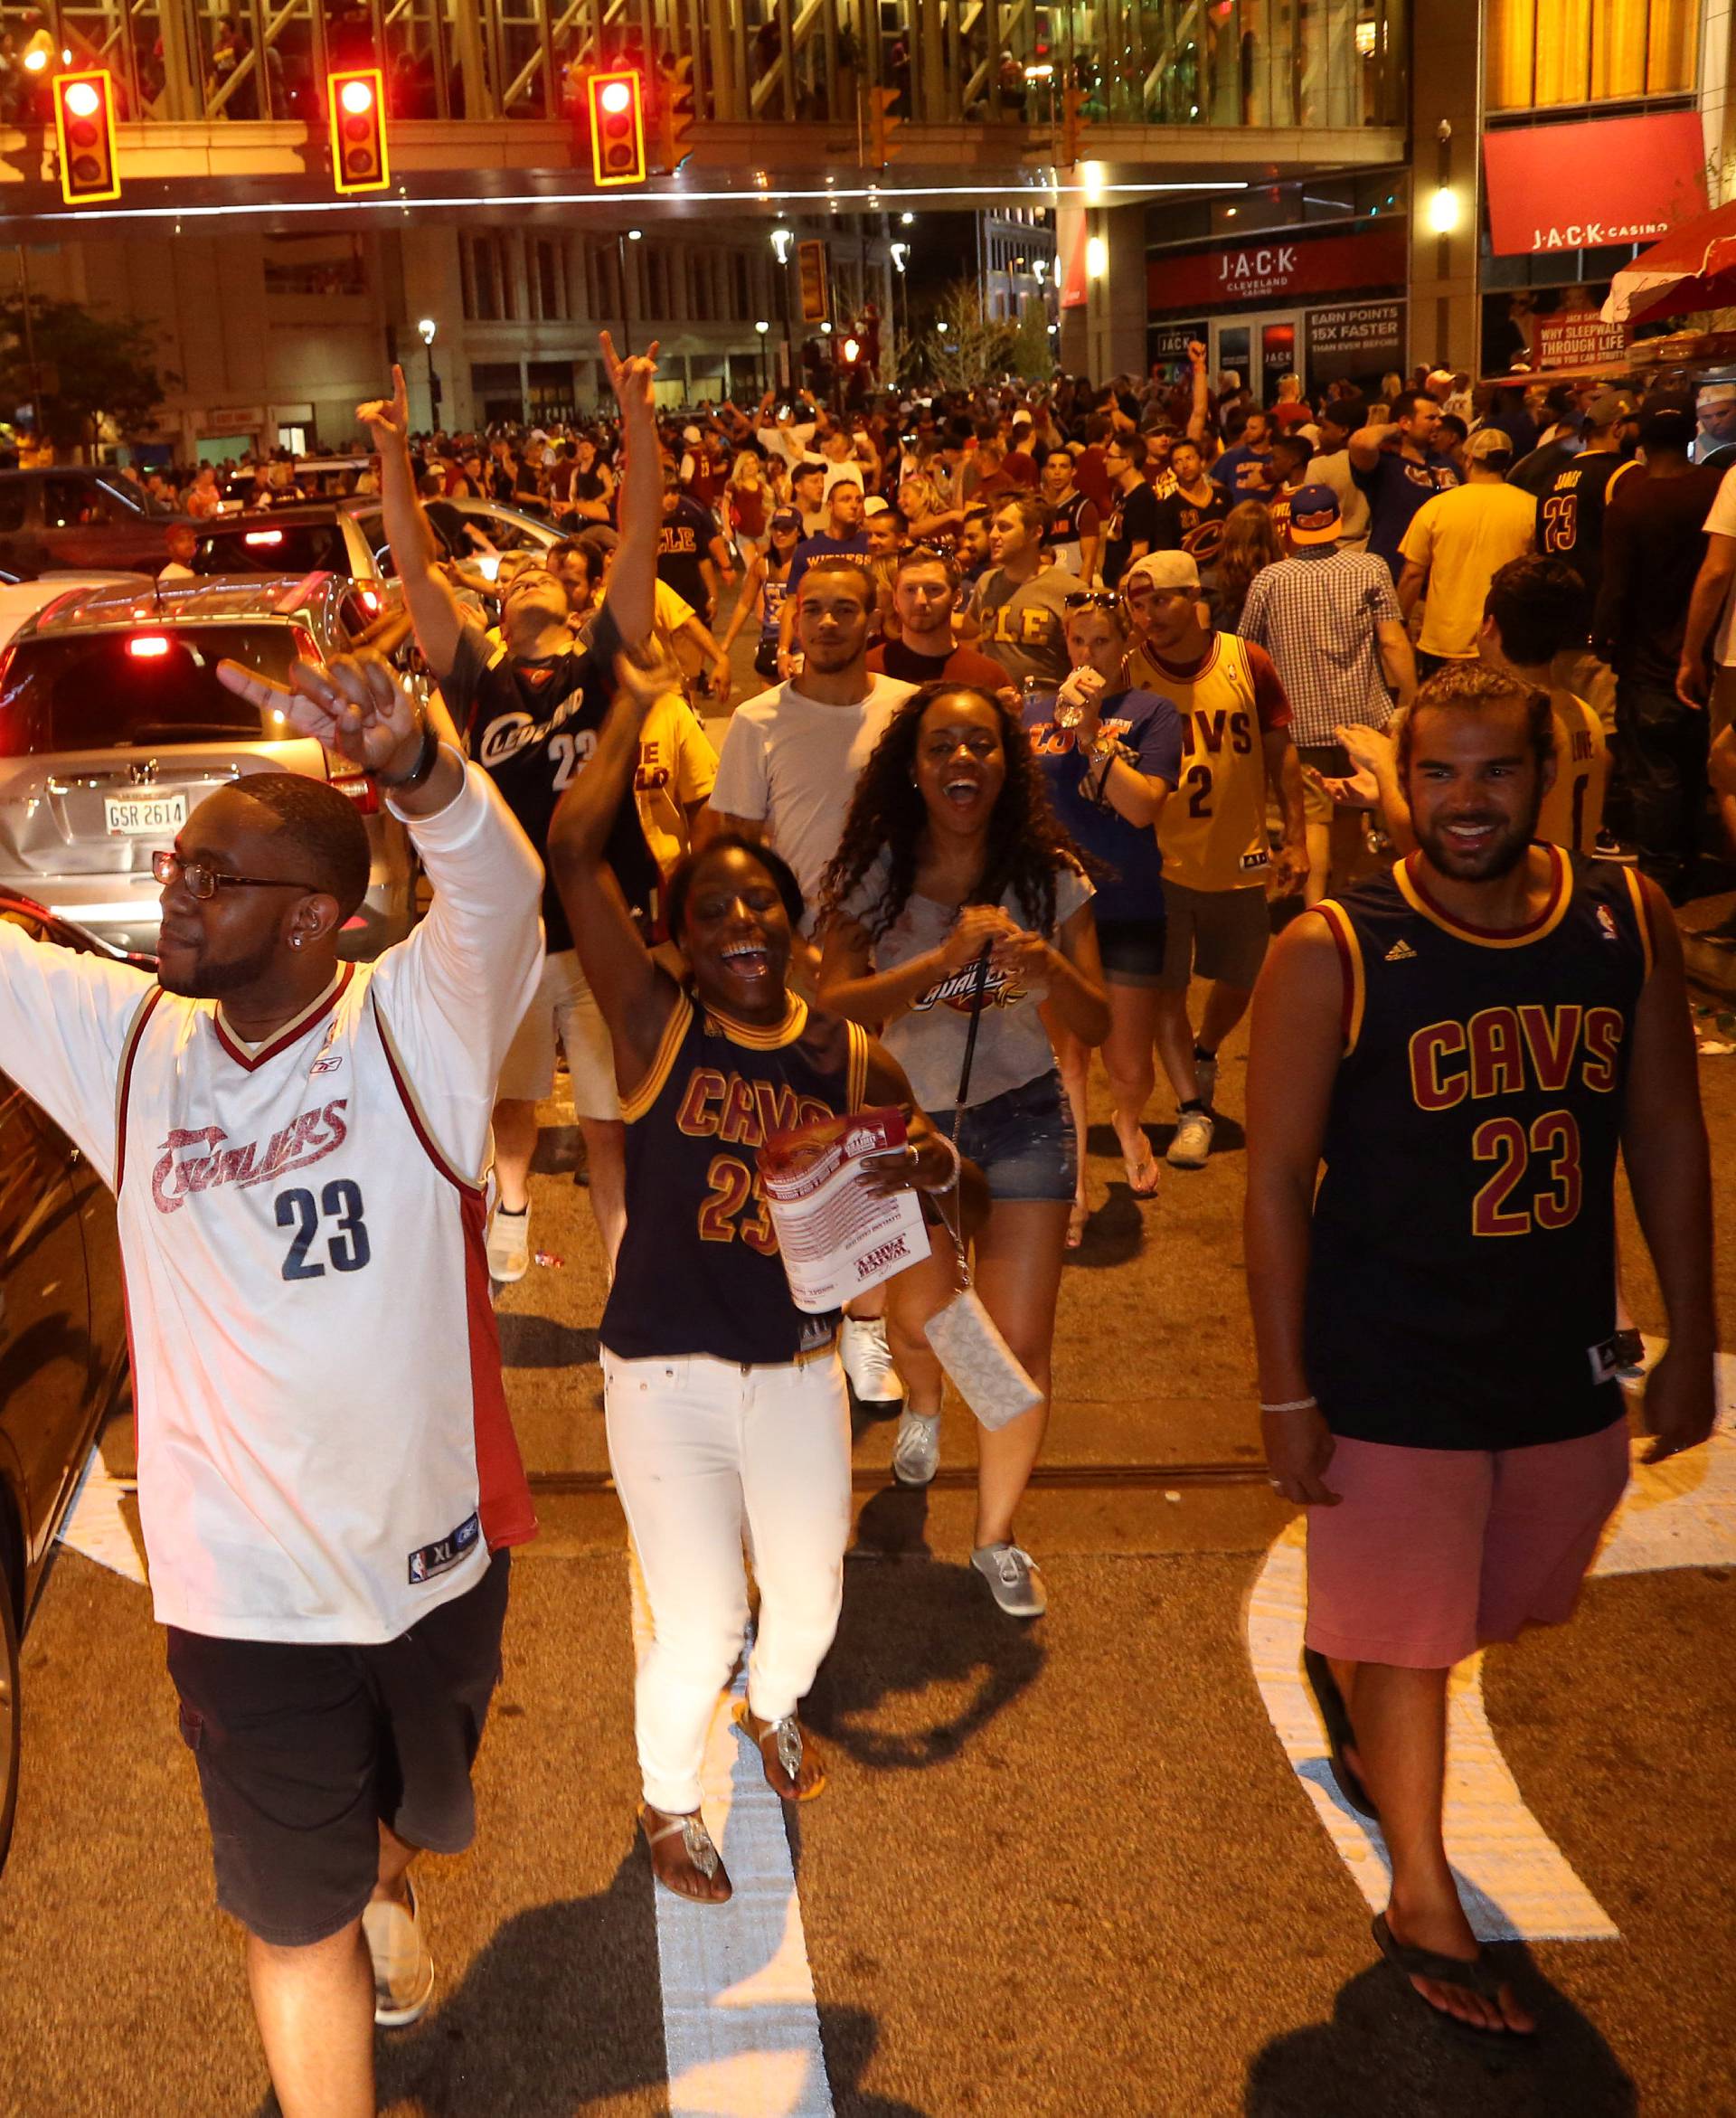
column 791, row 442
column 1722, row 523
column 325, row 1452
column 792, row 763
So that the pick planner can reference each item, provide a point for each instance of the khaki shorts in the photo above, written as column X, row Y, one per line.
column 1213, row 934
column 564, row 1013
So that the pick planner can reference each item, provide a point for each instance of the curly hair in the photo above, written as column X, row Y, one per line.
column 1027, row 845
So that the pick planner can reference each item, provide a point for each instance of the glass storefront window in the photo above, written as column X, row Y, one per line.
column 1547, row 52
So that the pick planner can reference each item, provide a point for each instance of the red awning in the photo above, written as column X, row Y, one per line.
column 1693, row 267
column 1569, row 187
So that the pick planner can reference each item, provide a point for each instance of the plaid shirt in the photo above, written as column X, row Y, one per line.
column 1316, row 617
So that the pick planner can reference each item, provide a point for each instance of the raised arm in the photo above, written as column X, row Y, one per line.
column 416, row 550
column 635, row 996
column 632, row 581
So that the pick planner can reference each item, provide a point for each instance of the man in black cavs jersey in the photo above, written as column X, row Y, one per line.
column 1464, row 1043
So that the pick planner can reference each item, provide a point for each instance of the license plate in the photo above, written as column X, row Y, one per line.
column 134, row 815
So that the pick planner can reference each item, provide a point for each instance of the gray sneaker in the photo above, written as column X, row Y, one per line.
column 1192, row 1142
column 404, row 1970
column 1013, row 1580
column 1205, row 1078
column 509, row 1245
column 916, row 1454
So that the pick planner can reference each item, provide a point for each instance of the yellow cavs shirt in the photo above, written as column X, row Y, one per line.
column 1573, row 811
column 1212, row 829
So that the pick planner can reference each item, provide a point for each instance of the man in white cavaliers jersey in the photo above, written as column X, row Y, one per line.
column 327, row 1478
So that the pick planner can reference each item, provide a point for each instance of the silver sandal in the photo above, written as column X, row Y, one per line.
column 700, row 1849
column 786, row 1737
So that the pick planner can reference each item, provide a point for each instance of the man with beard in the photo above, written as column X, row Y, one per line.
column 327, row 1478
column 1465, row 1041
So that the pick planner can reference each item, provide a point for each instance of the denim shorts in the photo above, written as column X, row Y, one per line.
column 1022, row 1141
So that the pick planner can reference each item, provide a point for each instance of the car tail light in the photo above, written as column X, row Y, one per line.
column 263, row 537
column 360, row 789
column 368, row 599
column 147, row 647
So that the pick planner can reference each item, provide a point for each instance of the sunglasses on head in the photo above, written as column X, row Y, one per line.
column 1090, row 599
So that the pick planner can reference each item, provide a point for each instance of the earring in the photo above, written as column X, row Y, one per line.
column 294, row 940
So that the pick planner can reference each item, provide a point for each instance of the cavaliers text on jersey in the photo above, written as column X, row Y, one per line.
column 699, row 1270
column 1462, row 1275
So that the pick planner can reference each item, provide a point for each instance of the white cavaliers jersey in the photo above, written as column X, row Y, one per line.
column 324, row 1447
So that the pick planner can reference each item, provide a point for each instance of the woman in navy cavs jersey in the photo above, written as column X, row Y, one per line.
column 726, row 1402
column 951, row 852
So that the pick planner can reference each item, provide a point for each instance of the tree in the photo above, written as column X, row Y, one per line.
column 1033, row 352
column 967, row 347
column 92, row 365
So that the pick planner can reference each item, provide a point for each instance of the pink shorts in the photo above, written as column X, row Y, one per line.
column 1434, row 1552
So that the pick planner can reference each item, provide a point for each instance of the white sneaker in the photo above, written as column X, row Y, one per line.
column 509, row 1245
column 1192, row 1142
column 1205, row 1078
column 404, row 1970
column 916, row 1454
column 868, row 1361
column 1013, row 1579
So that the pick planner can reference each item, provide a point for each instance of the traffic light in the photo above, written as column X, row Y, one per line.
column 675, row 115
column 1073, row 105
column 358, row 110
column 84, row 124
column 616, row 127
column 882, row 125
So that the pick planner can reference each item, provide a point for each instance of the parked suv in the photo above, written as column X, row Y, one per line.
column 114, row 726
column 66, row 519
column 349, row 537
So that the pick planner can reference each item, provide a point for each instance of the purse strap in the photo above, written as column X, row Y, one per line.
column 979, row 990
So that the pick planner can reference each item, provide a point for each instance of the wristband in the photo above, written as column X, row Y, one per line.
column 939, row 1190
column 419, row 770
column 1292, row 1404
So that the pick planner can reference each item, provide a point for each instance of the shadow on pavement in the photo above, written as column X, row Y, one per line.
column 923, row 1662
column 559, row 1151
column 528, row 1341
column 1380, row 2058
column 848, row 2037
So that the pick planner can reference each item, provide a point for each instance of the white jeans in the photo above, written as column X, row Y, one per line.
column 697, row 1446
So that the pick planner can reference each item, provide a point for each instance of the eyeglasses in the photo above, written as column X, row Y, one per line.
column 1091, row 599
column 204, row 883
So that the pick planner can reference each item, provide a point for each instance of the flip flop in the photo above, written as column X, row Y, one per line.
column 1478, row 1976
column 1340, row 1734
column 1144, row 1176
column 787, row 1747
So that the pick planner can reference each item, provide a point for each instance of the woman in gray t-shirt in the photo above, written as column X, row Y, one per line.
column 952, row 872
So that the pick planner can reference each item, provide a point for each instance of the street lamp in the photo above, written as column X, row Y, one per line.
column 425, row 331
column 762, row 327
column 781, row 239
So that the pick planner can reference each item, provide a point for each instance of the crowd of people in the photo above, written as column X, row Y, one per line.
column 1061, row 698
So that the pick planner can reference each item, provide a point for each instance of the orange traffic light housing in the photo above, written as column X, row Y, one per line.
column 675, row 115
column 84, row 126
column 882, row 125
column 617, row 105
column 358, row 112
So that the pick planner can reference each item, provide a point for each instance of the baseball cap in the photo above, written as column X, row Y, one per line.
column 1717, row 393
column 1669, row 424
column 873, row 504
column 785, row 518
column 1164, row 570
column 1489, row 442
column 805, row 464
column 691, row 436
column 1320, row 504
column 1603, row 408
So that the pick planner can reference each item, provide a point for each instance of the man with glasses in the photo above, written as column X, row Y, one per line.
column 1133, row 525
column 327, row 1478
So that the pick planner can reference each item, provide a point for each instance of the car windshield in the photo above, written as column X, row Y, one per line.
column 135, row 497
column 124, row 690
column 286, row 547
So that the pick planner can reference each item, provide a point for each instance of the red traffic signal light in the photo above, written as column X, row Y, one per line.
column 84, row 124
column 616, row 127
column 358, row 111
